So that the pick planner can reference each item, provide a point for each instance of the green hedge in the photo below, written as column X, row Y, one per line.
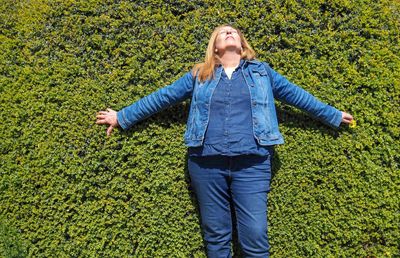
column 68, row 191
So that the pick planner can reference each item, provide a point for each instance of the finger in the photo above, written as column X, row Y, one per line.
column 106, row 119
column 349, row 117
column 110, row 110
column 101, row 116
column 102, row 122
column 345, row 118
column 102, row 112
column 349, row 121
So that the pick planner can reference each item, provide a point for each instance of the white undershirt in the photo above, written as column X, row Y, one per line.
column 229, row 71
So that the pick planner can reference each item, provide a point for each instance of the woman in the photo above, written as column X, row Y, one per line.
column 231, row 130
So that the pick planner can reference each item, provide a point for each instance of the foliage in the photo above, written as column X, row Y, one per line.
column 71, row 192
column 10, row 242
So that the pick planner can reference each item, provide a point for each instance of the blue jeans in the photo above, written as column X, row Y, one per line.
column 243, row 180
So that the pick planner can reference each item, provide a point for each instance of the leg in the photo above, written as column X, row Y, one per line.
column 209, row 178
column 251, row 177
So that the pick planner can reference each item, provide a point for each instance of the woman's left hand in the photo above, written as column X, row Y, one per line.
column 346, row 118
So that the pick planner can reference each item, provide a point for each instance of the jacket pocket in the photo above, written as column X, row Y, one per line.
column 260, row 72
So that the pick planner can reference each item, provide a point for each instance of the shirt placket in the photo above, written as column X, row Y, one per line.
column 228, row 108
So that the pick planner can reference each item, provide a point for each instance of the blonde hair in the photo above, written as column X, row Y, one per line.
column 205, row 70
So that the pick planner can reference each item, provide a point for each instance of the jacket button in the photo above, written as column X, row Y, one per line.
column 254, row 103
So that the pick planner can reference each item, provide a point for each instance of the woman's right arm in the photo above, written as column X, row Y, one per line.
column 149, row 105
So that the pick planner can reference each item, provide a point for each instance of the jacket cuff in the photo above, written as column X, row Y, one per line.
column 121, row 120
column 337, row 118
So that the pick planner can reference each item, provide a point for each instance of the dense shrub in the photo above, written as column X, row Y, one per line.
column 68, row 191
column 10, row 242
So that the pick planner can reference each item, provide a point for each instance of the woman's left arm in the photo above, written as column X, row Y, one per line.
column 294, row 95
column 346, row 118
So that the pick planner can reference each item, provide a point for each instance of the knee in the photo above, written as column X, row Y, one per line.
column 218, row 236
column 218, row 230
column 254, row 240
column 254, row 232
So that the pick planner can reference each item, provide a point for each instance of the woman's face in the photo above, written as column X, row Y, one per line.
column 227, row 39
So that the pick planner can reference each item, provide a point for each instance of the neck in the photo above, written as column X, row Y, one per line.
column 230, row 59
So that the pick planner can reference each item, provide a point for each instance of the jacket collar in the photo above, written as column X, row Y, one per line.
column 242, row 63
column 253, row 61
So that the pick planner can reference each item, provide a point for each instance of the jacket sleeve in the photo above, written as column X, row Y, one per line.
column 294, row 95
column 156, row 101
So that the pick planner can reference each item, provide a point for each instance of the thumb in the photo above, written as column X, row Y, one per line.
column 109, row 130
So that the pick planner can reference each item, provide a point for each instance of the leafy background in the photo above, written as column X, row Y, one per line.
column 66, row 190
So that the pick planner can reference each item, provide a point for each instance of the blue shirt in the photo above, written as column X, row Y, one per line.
column 230, row 128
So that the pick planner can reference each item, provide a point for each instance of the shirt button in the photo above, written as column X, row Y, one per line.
column 226, row 133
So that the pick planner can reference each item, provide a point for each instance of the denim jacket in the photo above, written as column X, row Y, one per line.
column 264, row 84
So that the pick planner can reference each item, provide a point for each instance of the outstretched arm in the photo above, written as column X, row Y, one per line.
column 146, row 106
column 298, row 97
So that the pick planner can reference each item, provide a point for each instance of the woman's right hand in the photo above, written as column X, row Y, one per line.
column 108, row 117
